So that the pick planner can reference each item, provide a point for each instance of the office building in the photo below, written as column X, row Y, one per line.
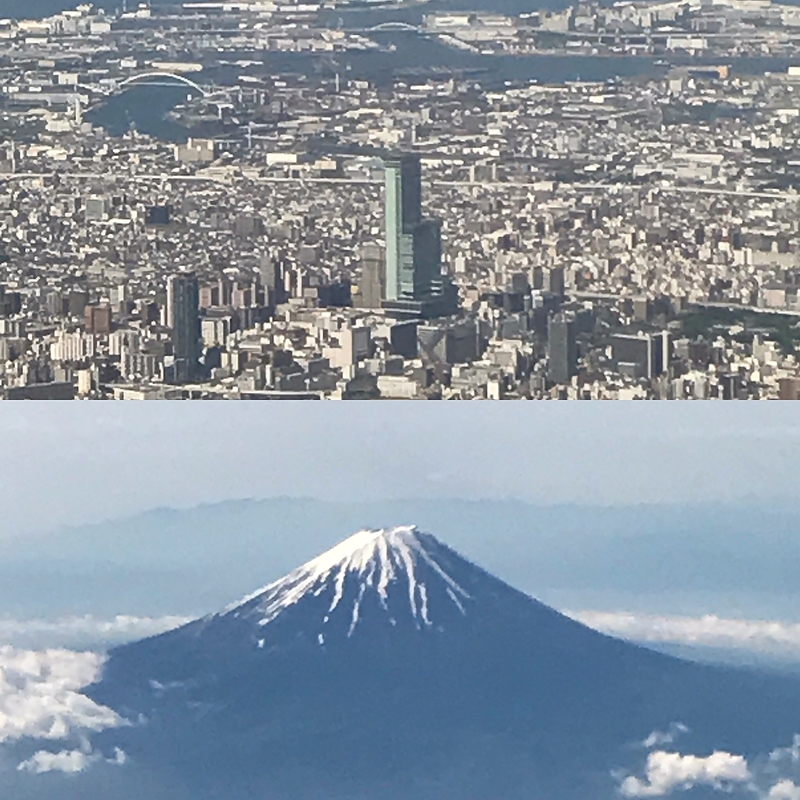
column 271, row 272
column 452, row 343
column 97, row 319
column 641, row 355
column 556, row 282
column 209, row 296
column 97, row 209
column 183, row 301
column 373, row 276
column 10, row 302
column 157, row 215
column 414, row 281
column 562, row 349
column 77, row 300
column 248, row 225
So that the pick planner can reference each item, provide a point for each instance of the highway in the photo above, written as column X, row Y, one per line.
column 509, row 185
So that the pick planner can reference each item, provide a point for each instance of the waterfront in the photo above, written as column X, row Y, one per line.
column 404, row 54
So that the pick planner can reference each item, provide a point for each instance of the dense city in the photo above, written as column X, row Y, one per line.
column 301, row 229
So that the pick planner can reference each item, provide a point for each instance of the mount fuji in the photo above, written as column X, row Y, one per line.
column 392, row 668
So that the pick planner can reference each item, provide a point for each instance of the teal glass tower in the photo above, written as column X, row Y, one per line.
column 413, row 244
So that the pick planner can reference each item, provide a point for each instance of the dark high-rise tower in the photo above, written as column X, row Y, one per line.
column 183, row 303
column 411, row 191
column 562, row 349
column 272, row 278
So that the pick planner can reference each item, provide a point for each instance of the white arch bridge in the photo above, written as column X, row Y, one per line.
column 393, row 26
column 159, row 78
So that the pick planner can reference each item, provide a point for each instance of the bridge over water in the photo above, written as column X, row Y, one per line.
column 151, row 78
column 159, row 78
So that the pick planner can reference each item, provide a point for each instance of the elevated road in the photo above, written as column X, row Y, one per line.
column 508, row 185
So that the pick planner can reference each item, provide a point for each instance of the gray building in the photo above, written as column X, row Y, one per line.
column 183, row 303
column 562, row 349
column 556, row 283
column 452, row 343
column 97, row 208
column 272, row 279
column 641, row 355
column 373, row 276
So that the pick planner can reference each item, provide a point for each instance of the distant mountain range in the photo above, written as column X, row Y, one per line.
column 391, row 667
column 737, row 560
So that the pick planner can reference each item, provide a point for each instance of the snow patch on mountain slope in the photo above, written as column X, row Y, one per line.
column 378, row 559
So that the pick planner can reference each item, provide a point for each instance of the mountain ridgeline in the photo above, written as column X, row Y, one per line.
column 392, row 668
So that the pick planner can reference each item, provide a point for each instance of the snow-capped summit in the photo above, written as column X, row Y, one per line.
column 401, row 573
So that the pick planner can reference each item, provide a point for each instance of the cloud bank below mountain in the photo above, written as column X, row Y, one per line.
column 779, row 639
column 83, row 632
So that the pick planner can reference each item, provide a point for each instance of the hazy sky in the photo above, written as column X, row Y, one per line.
column 78, row 462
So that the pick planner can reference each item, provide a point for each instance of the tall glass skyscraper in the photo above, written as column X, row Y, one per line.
column 413, row 244
column 183, row 317
column 562, row 349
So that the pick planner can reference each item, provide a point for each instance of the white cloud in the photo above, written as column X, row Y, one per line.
column 659, row 738
column 791, row 753
column 40, row 695
column 69, row 761
column 777, row 638
column 669, row 771
column 784, row 790
column 83, row 631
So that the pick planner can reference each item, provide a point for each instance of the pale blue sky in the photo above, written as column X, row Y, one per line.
column 69, row 463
